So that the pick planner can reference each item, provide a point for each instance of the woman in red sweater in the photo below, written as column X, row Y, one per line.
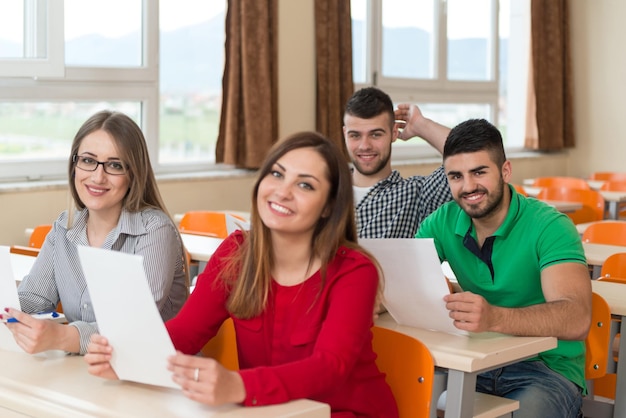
column 300, row 290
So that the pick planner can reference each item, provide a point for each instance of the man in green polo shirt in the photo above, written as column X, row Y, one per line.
column 522, row 269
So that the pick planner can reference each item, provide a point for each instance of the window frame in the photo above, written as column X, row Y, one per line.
column 440, row 89
column 140, row 84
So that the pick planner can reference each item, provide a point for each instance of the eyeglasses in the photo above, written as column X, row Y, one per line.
column 115, row 168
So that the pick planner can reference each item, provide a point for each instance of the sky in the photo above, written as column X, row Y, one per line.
column 109, row 21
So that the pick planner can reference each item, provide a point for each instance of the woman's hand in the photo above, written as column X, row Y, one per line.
column 206, row 381
column 98, row 357
column 37, row 335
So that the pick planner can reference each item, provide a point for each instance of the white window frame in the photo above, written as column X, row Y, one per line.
column 139, row 84
column 43, row 37
column 436, row 90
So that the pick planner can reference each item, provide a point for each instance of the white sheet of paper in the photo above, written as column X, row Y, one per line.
column 8, row 288
column 414, row 282
column 233, row 224
column 127, row 316
column 8, row 298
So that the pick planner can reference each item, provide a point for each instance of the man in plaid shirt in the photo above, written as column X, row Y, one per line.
column 387, row 205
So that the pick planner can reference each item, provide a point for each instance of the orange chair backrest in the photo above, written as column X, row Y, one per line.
column 614, row 186
column 592, row 201
column 608, row 175
column 223, row 347
column 606, row 232
column 570, row 182
column 409, row 369
column 38, row 236
column 204, row 223
column 597, row 341
column 614, row 267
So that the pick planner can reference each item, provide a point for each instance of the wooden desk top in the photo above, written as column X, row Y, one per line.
column 613, row 293
column 200, row 247
column 473, row 353
column 55, row 385
column 597, row 254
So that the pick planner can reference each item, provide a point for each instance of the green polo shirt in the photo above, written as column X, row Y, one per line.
column 506, row 271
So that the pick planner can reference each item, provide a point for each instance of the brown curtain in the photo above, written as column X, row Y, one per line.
column 333, row 49
column 550, row 124
column 249, row 119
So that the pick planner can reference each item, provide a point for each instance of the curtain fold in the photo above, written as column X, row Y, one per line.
column 333, row 49
column 249, row 118
column 549, row 120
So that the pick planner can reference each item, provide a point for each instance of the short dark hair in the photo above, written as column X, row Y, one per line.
column 368, row 103
column 475, row 135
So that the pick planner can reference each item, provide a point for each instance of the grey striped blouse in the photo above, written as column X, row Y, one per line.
column 57, row 276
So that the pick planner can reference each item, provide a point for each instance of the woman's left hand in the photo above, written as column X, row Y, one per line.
column 205, row 380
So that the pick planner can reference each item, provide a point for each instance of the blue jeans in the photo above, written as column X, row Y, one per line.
column 541, row 392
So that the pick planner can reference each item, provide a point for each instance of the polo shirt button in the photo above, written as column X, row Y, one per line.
column 85, row 306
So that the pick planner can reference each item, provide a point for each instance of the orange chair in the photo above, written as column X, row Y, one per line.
column 38, row 236
column 223, row 347
column 608, row 175
column 569, row 182
column 592, row 201
column 209, row 223
column 409, row 369
column 520, row 189
column 606, row 232
column 614, row 268
column 597, row 343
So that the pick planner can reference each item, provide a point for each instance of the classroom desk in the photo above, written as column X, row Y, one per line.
column 615, row 296
column 563, row 206
column 465, row 357
column 200, row 247
column 55, row 385
column 596, row 255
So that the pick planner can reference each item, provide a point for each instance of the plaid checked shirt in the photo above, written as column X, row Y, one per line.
column 395, row 207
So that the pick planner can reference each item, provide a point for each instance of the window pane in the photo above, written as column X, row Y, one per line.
column 12, row 29
column 103, row 34
column 449, row 114
column 45, row 130
column 469, row 40
column 191, row 68
column 408, row 48
column 358, row 10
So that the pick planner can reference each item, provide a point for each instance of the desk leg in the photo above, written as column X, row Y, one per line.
column 460, row 396
column 620, row 387
column 613, row 210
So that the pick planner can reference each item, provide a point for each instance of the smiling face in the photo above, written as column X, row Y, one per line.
column 293, row 196
column 101, row 193
column 369, row 145
column 477, row 183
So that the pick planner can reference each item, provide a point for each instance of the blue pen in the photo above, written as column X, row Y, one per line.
column 38, row 315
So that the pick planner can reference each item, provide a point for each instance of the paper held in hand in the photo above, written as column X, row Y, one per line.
column 414, row 282
column 127, row 316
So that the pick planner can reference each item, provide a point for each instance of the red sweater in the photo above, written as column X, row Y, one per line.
column 306, row 344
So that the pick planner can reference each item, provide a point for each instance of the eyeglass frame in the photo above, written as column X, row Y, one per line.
column 75, row 158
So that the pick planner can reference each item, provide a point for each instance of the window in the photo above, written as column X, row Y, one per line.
column 159, row 62
column 451, row 57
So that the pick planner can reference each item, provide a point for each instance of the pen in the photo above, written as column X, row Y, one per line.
column 38, row 315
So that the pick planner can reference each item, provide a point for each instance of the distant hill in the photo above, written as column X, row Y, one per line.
column 183, row 68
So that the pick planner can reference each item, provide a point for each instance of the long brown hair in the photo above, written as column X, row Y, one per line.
column 249, row 270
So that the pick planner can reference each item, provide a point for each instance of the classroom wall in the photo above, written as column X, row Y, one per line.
column 597, row 67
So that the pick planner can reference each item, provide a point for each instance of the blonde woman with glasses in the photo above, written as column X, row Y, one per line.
column 117, row 207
